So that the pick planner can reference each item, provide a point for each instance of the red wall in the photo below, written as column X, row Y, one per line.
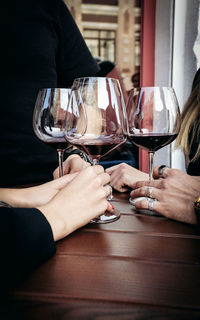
column 147, row 60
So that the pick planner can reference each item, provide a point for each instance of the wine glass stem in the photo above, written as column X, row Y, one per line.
column 60, row 161
column 151, row 155
column 95, row 162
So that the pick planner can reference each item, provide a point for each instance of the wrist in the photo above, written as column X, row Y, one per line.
column 80, row 153
column 57, row 225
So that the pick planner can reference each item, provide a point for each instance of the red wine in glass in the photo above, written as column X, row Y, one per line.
column 97, row 107
column 154, row 119
column 152, row 141
column 98, row 148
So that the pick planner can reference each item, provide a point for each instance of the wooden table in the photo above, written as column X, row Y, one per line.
column 139, row 267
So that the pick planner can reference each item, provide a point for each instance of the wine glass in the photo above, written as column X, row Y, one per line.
column 96, row 106
column 154, row 120
column 49, row 117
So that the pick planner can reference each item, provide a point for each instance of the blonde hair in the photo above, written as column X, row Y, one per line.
column 190, row 127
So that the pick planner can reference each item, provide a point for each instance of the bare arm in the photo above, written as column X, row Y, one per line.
column 34, row 196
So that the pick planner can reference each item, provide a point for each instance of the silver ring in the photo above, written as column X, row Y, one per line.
column 160, row 170
column 149, row 192
column 150, row 204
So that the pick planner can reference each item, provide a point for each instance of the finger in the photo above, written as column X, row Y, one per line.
column 161, row 172
column 77, row 164
column 104, row 179
column 115, row 183
column 110, row 207
column 62, row 181
column 56, row 173
column 97, row 169
column 66, row 167
column 118, row 186
column 145, row 205
column 152, row 183
column 144, row 192
column 111, row 169
column 122, row 189
column 107, row 190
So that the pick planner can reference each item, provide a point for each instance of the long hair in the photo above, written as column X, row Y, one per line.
column 190, row 127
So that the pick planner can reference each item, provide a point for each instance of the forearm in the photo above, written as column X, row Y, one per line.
column 14, row 197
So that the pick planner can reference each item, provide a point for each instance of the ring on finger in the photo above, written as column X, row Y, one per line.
column 149, row 192
column 161, row 170
column 150, row 204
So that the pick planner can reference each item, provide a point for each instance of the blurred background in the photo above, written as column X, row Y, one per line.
column 158, row 40
column 111, row 29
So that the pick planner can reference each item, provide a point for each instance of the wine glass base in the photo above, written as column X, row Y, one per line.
column 143, row 211
column 107, row 216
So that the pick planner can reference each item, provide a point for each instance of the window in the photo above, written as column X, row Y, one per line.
column 101, row 43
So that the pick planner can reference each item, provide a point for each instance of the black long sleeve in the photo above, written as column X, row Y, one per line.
column 41, row 47
column 26, row 241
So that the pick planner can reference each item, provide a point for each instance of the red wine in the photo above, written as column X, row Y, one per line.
column 57, row 145
column 152, row 141
column 98, row 148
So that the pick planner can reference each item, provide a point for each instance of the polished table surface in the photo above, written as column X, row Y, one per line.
column 139, row 267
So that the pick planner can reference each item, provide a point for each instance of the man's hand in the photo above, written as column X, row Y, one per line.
column 122, row 176
column 175, row 194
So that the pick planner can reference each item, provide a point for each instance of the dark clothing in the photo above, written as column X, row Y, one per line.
column 26, row 241
column 41, row 47
column 105, row 68
column 194, row 166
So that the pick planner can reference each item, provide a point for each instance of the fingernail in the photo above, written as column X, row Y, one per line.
column 110, row 207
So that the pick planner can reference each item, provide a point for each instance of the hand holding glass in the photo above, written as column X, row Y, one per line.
column 96, row 107
column 153, row 119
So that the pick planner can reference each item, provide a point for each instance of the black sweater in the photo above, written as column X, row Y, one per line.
column 26, row 241
column 41, row 47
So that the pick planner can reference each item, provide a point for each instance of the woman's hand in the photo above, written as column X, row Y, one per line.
column 34, row 196
column 72, row 164
column 122, row 176
column 81, row 200
column 175, row 194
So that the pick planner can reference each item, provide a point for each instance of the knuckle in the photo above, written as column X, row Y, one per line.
column 98, row 181
column 164, row 184
column 136, row 185
column 143, row 191
column 107, row 176
column 141, row 204
column 107, row 191
column 123, row 166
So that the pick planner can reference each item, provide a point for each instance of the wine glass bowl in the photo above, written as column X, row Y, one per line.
column 96, row 106
column 154, row 119
column 49, row 119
